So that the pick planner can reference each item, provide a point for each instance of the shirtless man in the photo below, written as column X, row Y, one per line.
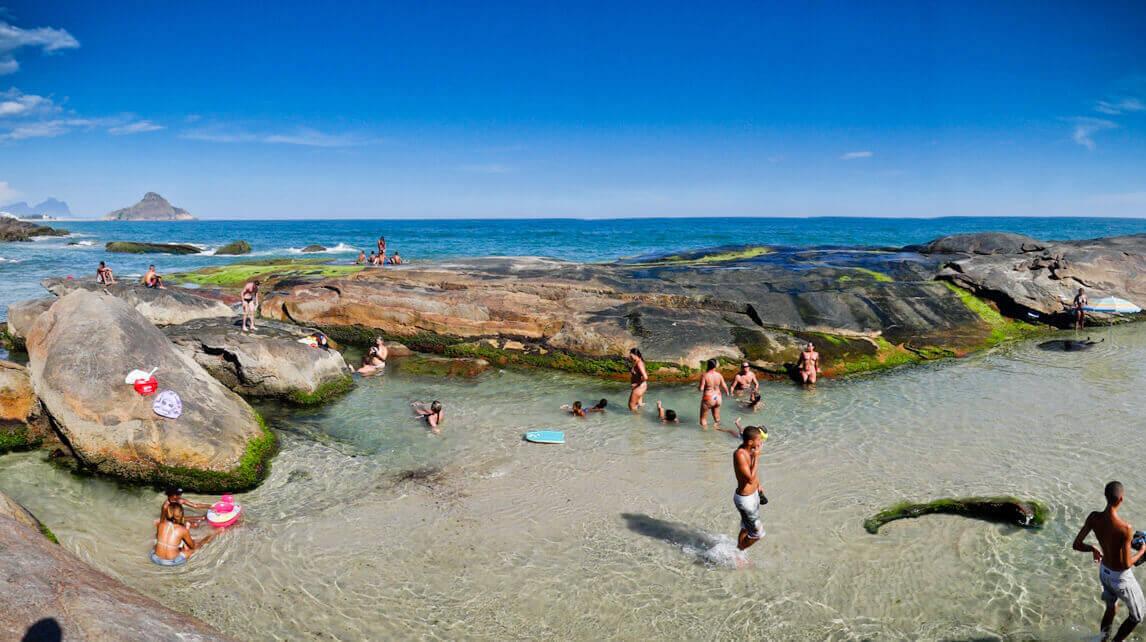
column 250, row 296
column 746, row 465
column 1115, row 560
column 745, row 380
column 1080, row 303
column 638, row 379
column 152, row 279
column 809, row 365
column 712, row 390
column 396, row 259
column 104, row 275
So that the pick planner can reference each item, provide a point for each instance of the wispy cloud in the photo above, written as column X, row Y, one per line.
column 303, row 136
column 7, row 193
column 16, row 104
column 46, row 39
column 856, row 155
column 1086, row 127
column 487, row 168
column 138, row 127
column 1119, row 106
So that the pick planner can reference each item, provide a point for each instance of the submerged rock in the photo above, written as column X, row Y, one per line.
column 313, row 248
column 131, row 247
column 79, row 352
column 1010, row 510
column 234, row 248
column 167, row 306
column 267, row 363
column 49, row 594
column 1068, row 345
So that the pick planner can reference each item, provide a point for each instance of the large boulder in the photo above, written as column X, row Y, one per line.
column 22, row 314
column 234, row 248
column 50, row 594
column 267, row 363
column 132, row 247
column 167, row 306
column 14, row 230
column 22, row 423
column 79, row 352
column 981, row 243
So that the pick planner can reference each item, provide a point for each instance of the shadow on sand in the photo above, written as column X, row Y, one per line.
column 671, row 532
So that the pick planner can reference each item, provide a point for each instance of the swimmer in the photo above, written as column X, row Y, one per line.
column 361, row 260
column 175, row 498
column 600, row 407
column 250, row 296
column 104, row 275
column 745, row 380
column 754, row 402
column 432, row 414
column 576, row 410
column 809, row 365
column 666, row 416
column 173, row 541
column 638, row 379
column 712, row 388
column 1080, row 303
column 746, row 466
column 152, row 278
column 1116, row 559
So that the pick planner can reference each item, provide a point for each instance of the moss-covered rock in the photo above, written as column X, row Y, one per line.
column 437, row 367
column 1010, row 510
column 234, row 248
column 325, row 392
column 235, row 275
column 132, row 247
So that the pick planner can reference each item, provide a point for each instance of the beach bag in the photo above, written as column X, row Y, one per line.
column 168, row 404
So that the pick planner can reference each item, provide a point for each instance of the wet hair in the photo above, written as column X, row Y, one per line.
column 670, row 415
column 637, row 353
column 576, row 405
column 174, row 513
column 174, row 491
column 101, row 264
column 752, row 432
column 436, row 406
column 1113, row 492
column 602, row 403
column 755, row 398
column 711, row 364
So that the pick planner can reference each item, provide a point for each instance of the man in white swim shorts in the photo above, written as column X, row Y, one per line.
column 1116, row 559
column 746, row 464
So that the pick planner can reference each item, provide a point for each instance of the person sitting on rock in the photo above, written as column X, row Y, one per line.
column 666, row 416
column 375, row 358
column 104, row 275
column 432, row 413
column 152, row 278
column 173, row 541
column 361, row 257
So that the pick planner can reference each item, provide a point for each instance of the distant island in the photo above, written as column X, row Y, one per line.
column 153, row 207
column 48, row 208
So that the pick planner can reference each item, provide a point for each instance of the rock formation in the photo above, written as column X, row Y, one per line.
column 153, row 207
column 14, row 230
column 1009, row 510
column 234, row 248
column 79, row 352
column 21, row 316
column 169, row 306
column 132, row 247
column 22, row 423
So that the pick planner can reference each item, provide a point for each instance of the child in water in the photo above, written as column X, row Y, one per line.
column 432, row 414
column 754, row 403
column 666, row 416
column 576, row 410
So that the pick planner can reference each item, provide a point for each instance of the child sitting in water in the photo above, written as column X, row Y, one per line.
column 432, row 414
column 576, row 410
column 755, row 401
column 666, row 416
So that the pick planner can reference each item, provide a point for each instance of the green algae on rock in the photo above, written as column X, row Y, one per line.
column 234, row 275
column 234, row 248
column 1006, row 509
column 132, row 247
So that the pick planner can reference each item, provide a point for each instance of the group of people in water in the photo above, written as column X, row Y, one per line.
column 379, row 257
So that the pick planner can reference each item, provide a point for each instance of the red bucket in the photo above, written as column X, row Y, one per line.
column 146, row 387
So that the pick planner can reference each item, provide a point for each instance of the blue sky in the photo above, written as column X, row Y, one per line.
column 484, row 109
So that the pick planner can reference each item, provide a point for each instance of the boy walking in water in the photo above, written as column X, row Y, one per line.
column 746, row 464
column 1115, row 559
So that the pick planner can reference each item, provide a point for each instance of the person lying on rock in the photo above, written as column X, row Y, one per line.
column 173, row 541
column 666, row 416
column 431, row 413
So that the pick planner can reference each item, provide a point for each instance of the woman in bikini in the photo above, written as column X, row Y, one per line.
column 809, row 365
column 712, row 390
column 250, row 297
column 173, row 541
column 638, row 379
column 432, row 414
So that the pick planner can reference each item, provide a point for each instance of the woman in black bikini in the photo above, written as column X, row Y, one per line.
column 250, row 302
column 638, row 380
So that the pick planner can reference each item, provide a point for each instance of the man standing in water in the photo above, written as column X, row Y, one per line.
column 1115, row 559
column 746, row 464
column 1080, row 304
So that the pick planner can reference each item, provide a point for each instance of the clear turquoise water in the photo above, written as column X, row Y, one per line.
column 23, row 265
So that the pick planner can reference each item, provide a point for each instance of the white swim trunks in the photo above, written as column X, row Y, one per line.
column 1121, row 585
column 749, row 508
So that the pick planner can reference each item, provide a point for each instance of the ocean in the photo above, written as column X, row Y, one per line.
column 23, row 265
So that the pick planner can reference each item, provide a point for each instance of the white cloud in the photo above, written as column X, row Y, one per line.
column 53, row 127
column 44, row 38
column 1086, row 127
column 304, row 136
column 856, row 155
column 7, row 193
column 137, row 127
column 16, row 104
column 487, row 168
column 1120, row 106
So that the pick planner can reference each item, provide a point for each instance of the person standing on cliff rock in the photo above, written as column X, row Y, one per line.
column 638, row 379
column 1116, row 558
column 250, row 296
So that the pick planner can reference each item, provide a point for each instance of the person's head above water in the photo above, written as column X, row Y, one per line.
column 670, row 415
column 576, row 405
column 601, row 404
column 1113, row 492
column 436, row 406
column 174, row 493
column 711, row 365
